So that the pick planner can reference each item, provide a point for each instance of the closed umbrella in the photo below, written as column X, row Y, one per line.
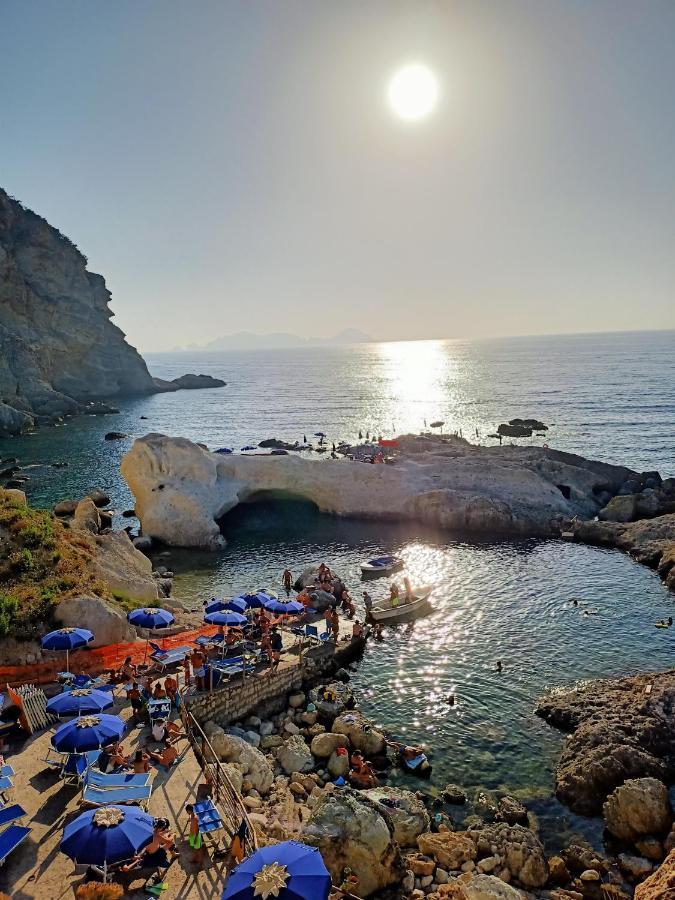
column 284, row 607
column 108, row 835
column 66, row 639
column 287, row 871
column 87, row 733
column 151, row 618
column 79, row 702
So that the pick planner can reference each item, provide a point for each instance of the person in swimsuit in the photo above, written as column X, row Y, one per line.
column 159, row 853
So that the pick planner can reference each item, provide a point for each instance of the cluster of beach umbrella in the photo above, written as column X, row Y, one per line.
column 232, row 612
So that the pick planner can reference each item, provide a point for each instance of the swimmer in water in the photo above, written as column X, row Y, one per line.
column 575, row 602
column 499, row 665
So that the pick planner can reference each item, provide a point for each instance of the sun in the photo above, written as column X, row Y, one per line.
column 413, row 91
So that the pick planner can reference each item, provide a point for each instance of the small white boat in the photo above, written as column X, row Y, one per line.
column 417, row 605
column 382, row 565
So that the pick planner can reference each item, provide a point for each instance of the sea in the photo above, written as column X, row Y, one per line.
column 607, row 396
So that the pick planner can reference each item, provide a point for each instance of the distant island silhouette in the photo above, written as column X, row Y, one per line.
column 247, row 340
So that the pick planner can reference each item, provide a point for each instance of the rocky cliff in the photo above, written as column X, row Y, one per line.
column 59, row 349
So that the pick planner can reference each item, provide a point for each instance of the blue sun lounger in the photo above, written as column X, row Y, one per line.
column 11, row 813
column 7, row 771
column 101, row 796
column 74, row 768
column 207, row 816
column 121, row 780
column 10, row 839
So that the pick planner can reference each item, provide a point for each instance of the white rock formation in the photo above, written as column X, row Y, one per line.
column 181, row 490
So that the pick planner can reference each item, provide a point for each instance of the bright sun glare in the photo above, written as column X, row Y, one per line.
column 413, row 91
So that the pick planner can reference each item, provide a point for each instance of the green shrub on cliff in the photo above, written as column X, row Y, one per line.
column 41, row 563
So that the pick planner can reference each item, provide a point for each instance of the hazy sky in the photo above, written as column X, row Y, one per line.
column 233, row 164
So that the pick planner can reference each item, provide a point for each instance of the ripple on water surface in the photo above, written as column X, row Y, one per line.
column 492, row 599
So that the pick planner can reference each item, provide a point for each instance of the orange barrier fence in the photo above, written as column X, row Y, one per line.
column 93, row 661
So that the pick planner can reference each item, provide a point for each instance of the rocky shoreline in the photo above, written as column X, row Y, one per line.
column 291, row 759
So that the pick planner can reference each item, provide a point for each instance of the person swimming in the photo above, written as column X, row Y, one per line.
column 499, row 665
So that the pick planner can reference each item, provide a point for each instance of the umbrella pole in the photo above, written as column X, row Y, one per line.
column 67, row 660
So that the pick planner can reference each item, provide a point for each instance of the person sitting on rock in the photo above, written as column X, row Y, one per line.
column 363, row 777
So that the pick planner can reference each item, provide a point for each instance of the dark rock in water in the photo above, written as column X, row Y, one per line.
column 279, row 453
column 16, row 482
column 9, row 471
column 533, row 424
column 512, row 811
column 276, row 444
column 144, row 417
column 115, row 436
column 106, row 517
column 96, row 408
column 60, row 465
column 129, row 514
column 514, row 431
column 620, row 729
column 454, row 794
column 143, row 543
column 622, row 508
column 65, row 508
column 188, row 383
column 99, row 497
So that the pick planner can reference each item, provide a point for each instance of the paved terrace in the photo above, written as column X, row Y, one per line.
column 38, row 870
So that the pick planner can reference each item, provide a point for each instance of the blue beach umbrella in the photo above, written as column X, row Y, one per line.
column 87, row 733
column 79, row 702
column 284, row 607
column 287, row 871
column 66, row 639
column 254, row 600
column 236, row 604
column 108, row 835
column 225, row 618
column 151, row 617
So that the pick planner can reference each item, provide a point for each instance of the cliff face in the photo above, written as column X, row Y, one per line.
column 58, row 347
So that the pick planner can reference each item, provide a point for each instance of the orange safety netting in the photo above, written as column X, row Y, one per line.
column 93, row 661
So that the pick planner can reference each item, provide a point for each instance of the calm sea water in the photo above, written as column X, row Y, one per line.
column 611, row 397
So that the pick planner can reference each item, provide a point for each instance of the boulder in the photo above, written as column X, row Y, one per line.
column 636, row 808
column 251, row 762
column 635, row 866
column 516, row 431
column 338, row 764
column 349, row 830
column 114, row 436
column 620, row 509
column 123, row 568
column 14, row 495
column 450, row 849
column 235, row 775
column 621, row 729
column 332, row 700
column 106, row 620
column 454, row 794
column 99, row 497
column 360, row 732
column 660, row 885
column 512, row 811
column 65, row 508
column 296, row 700
column 486, row 887
column 519, row 848
column 294, row 755
column 323, row 745
column 407, row 812
column 87, row 517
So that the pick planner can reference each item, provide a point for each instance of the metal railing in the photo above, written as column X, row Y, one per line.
column 224, row 793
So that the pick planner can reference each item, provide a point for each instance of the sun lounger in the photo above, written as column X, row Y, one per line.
column 74, row 768
column 205, row 639
column 54, row 760
column 11, row 813
column 10, row 839
column 159, row 652
column 97, row 796
column 207, row 816
column 7, row 771
column 175, row 658
column 123, row 779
